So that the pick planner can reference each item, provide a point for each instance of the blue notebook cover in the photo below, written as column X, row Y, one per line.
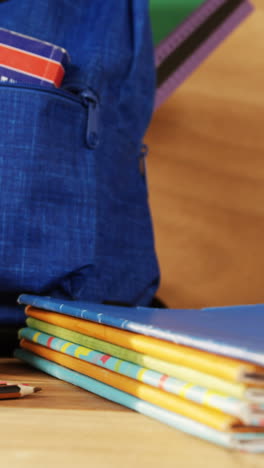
column 235, row 331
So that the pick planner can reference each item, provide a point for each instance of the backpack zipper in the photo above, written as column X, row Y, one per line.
column 91, row 102
column 86, row 97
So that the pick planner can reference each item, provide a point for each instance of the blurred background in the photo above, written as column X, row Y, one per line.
column 206, row 177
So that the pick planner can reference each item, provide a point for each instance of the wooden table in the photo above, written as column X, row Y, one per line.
column 68, row 427
column 206, row 176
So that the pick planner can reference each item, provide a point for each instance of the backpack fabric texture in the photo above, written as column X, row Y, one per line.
column 75, row 221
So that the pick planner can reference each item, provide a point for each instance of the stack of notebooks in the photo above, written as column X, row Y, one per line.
column 200, row 371
column 186, row 32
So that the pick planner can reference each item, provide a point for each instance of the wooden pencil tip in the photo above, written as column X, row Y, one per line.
column 37, row 389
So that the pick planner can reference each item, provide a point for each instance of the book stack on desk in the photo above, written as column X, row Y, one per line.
column 186, row 32
column 200, row 371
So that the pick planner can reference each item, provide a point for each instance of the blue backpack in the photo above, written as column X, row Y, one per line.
column 74, row 219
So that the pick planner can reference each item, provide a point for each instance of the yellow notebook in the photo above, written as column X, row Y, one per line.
column 229, row 369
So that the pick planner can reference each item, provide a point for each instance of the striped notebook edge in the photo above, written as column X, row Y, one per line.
column 252, row 443
column 249, row 414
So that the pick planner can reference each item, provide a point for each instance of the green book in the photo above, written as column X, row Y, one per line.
column 166, row 15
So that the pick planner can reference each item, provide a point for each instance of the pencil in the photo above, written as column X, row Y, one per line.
column 16, row 391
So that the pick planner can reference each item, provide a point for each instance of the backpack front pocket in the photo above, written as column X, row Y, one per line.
column 47, row 183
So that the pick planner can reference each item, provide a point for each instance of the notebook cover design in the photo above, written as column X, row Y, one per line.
column 229, row 369
column 248, row 414
column 29, row 60
column 235, row 331
column 166, row 15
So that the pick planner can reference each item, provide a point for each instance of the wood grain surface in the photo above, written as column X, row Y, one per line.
column 68, row 427
column 206, row 178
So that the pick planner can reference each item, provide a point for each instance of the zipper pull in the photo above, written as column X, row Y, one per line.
column 91, row 102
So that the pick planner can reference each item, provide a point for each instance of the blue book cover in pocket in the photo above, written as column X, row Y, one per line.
column 25, row 59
